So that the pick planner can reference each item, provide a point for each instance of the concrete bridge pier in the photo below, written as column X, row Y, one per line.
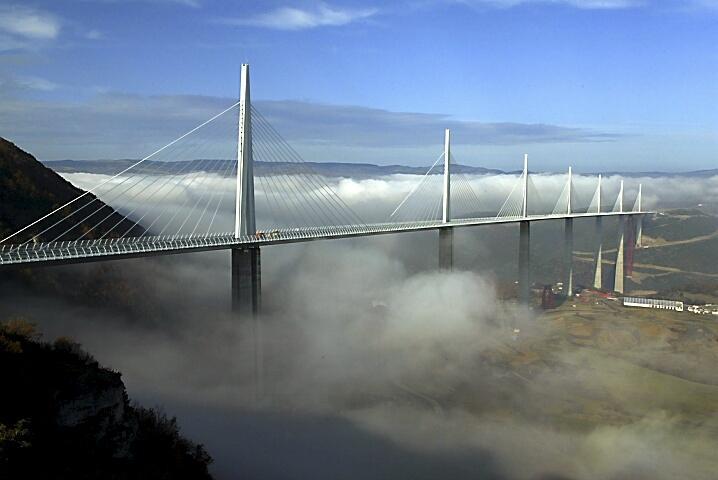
column 568, row 256
column 639, row 230
column 446, row 249
column 598, row 260
column 619, row 272
column 246, row 303
column 246, row 281
column 524, row 262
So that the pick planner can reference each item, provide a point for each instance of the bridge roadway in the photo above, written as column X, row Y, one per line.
column 84, row 251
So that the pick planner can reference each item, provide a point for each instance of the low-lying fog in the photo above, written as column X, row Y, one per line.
column 373, row 363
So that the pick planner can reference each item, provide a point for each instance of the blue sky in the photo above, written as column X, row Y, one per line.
column 602, row 84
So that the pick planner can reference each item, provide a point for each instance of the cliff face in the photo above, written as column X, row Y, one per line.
column 64, row 416
column 29, row 190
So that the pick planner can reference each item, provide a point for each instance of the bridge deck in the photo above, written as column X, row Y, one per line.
column 96, row 250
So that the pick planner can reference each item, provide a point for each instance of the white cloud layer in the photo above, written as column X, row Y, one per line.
column 204, row 203
column 117, row 125
column 294, row 18
column 28, row 23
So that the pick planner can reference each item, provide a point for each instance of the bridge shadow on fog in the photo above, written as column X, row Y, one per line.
column 288, row 446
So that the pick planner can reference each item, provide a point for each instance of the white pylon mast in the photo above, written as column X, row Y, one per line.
column 244, row 211
column 568, row 206
column 640, row 187
column 446, row 213
column 598, row 204
column 620, row 198
column 525, row 206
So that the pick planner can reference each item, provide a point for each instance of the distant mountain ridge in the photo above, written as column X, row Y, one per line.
column 328, row 169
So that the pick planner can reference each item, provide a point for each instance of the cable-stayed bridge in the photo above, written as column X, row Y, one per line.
column 213, row 200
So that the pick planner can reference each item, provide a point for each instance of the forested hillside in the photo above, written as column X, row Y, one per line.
column 29, row 190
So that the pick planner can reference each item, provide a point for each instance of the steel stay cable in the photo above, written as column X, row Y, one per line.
column 324, row 217
column 221, row 199
column 291, row 188
column 201, row 197
column 292, row 178
column 186, row 189
column 169, row 177
column 215, row 191
column 87, row 192
column 341, row 206
column 311, row 176
column 285, row 192
column 141, row 175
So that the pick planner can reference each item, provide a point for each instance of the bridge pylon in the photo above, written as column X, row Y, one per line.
column 639, row 219
column 244, row 212
column 246, row 261
column 246, row 266
column 446, row 234
column 525, row 240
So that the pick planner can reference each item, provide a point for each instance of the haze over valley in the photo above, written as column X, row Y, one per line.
column 345, row 239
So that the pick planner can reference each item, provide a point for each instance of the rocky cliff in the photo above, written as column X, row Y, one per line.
column 64, row 416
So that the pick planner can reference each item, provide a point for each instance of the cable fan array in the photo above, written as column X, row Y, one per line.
column 569, row 201
column 164, row 193
column 513, row 206
column 188, row 189
column 423, row 203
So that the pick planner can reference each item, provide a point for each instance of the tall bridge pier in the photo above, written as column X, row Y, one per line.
column 246, row 262
column 598, row 260
column 446, row 249
column 619, row 273
column 568, row 256
column 246, row 281
column 598, row 233
column 524, row 262
column 568, row 243
column 639, row 219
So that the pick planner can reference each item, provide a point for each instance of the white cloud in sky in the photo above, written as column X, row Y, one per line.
column 186, row 3
column 294, row 18
column 93, row 35
column 601, row 3
column 12, row 84
column 28, row 23
column 672, row 5
column 582, row 4
column 36, row 83
column 711, row 4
